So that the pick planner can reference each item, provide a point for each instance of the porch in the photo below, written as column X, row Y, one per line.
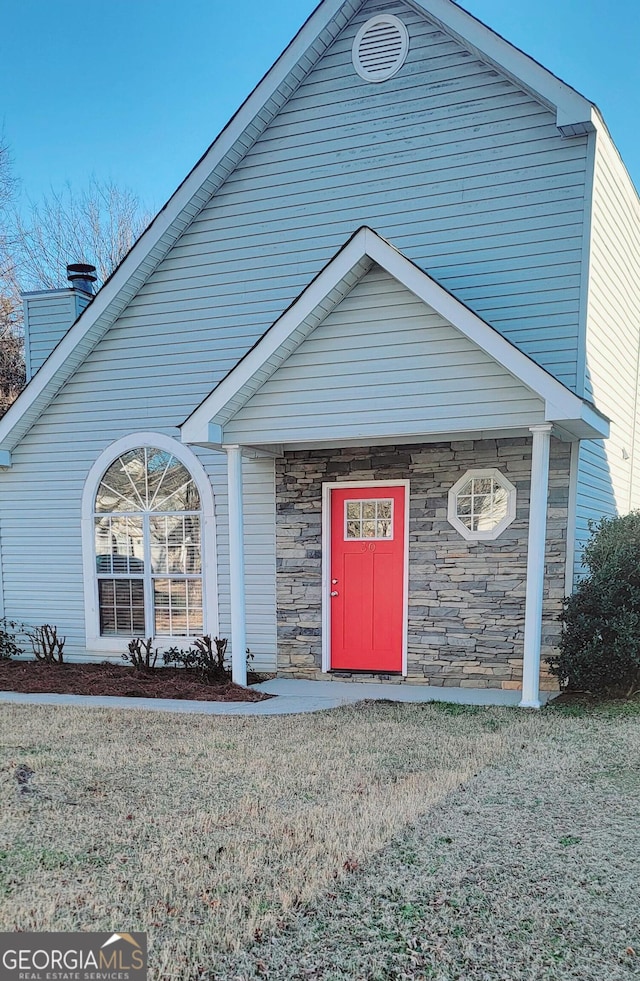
column 376, row 373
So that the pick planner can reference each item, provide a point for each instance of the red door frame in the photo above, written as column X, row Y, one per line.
column 326, row 561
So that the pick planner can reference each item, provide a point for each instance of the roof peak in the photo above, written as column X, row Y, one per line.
column 574, row 116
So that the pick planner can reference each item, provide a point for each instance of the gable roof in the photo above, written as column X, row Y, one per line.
column 574, row 115
column 206, row 424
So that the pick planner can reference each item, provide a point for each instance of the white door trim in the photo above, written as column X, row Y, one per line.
column 326, row 562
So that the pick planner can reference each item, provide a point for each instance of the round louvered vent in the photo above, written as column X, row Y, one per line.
column 380, row 48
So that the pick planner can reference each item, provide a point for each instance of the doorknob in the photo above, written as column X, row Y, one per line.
column 334, row 592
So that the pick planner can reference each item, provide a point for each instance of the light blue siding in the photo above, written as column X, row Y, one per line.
column 383, row 364
column 457, row 167
column 609, row 473
column 42, row 547
column 47, row 317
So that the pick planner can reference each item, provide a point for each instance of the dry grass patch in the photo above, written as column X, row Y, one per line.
column 530, row 872
column 209, row 831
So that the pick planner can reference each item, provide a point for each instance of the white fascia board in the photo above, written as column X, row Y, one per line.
column 595, row 421
column 162, row 223
column 215, row 434
column 561, row 404
column 565, row 405
column 572, row 109
column 57, row 292
column 586, row 423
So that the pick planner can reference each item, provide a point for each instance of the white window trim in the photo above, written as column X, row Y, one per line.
column 118, row 645
column 493, row 533
column 326, row 563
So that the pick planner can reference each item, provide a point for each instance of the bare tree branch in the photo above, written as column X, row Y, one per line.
column 12, row 374
column 97, row 225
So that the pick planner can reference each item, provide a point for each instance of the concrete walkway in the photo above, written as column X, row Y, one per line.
column 292, row 698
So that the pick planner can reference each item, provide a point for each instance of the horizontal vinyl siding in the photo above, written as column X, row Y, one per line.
column 382, row 363
column 609, row 473
column 48, row 318
column 448, row 160
column 42, row 545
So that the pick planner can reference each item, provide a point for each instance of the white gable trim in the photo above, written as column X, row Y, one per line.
column 326, row 22
column 575, row 115
column 206, row 424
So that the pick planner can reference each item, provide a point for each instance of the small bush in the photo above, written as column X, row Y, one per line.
column 46, row 644
column 9, row 645
column 201, row 658
column 599, row 650
column 141, row 654
column 610, row 537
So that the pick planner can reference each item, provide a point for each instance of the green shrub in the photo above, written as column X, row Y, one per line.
column 202, row 659
column 610, row 537
column 9, row 643
column 599, row 650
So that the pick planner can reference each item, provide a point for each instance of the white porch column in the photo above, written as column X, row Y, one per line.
column 535, row 564
column 236, row 565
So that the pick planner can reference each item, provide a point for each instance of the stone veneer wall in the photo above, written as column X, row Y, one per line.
column 466, row 599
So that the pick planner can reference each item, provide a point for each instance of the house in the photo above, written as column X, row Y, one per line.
column 354, row 395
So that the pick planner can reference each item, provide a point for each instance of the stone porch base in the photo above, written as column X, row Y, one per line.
column 349, row 692
column 547, row 684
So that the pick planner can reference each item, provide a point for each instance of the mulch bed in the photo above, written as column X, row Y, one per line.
column 117, row 679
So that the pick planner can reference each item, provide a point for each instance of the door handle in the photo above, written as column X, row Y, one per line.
column 334, row 592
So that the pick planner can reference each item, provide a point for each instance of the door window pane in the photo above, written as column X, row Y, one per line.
column 369, row 519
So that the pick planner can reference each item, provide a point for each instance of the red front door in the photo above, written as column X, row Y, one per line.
column 367, row 578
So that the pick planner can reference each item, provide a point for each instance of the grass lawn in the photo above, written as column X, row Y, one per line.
column 371, row 842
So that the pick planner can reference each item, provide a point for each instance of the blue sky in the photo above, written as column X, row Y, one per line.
column 135, row 90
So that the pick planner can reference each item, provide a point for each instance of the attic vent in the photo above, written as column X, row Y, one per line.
column 380, row 48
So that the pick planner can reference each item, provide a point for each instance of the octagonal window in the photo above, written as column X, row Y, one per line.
column 482, row 504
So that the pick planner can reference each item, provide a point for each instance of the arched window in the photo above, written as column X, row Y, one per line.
column 148, row 538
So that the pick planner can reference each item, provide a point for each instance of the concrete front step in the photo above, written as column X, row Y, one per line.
column 355, row 691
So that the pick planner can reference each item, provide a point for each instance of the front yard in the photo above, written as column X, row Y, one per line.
column 372, row 842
